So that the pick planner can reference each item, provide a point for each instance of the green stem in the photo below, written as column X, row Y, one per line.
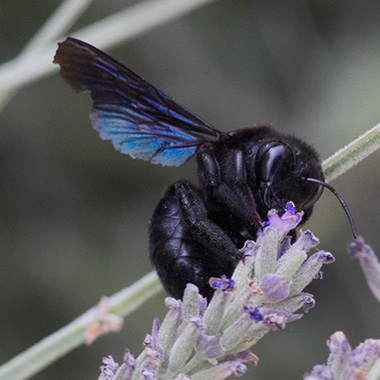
column 71, row 336
column 350, row 155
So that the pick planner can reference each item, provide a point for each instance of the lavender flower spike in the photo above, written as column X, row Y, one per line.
column 198, row 341
column 287, row 221
column 347, row 364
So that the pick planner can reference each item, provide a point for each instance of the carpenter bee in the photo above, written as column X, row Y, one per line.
column 195, row 232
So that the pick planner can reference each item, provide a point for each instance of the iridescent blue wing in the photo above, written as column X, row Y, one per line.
column 139, row 119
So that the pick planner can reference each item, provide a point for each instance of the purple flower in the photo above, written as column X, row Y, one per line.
column 238, row 369
column 275, row 287
column 109, row 367
column 309, row 302
column 286, row 222
column 223, row 283
column 129, row 359
column 254, row 313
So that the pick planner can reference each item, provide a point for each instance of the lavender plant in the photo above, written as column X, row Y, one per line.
column 363, row 362
column 200, row 341
column 345, row 363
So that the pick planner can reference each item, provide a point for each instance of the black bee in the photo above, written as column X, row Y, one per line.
column 195, row 232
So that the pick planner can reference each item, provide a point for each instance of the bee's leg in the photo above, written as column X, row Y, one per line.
column 186, row 246
column 232, row 192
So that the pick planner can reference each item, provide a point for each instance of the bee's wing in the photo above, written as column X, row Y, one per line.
column 139, row 119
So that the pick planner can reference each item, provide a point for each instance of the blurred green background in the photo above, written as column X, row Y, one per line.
column 74, row 213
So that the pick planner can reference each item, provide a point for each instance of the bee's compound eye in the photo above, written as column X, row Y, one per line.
column 270, row 159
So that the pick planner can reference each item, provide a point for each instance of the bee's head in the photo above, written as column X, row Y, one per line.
column 281, row 168
column 288, row 169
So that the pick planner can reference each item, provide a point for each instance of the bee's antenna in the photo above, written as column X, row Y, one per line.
column 347, row 211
